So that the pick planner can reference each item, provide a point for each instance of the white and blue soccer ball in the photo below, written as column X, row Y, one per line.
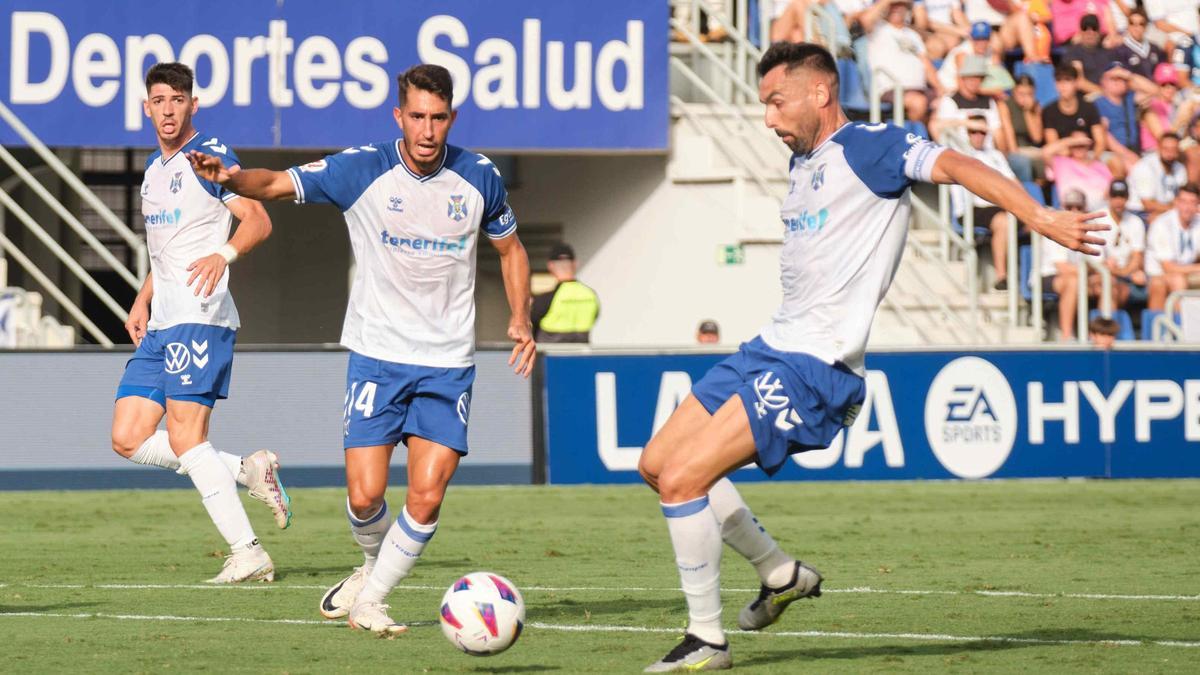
column 482, row 614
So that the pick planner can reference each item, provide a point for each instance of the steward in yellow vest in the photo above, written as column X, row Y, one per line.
column 567, row 313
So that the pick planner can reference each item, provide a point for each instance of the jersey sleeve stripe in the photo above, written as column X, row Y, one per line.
column 230, row 196
column 297, row 185
column 510, row 230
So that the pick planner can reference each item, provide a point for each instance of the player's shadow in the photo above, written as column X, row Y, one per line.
column 572, row 607
column 516, row 669
column 1046, row 638
column 16, row 609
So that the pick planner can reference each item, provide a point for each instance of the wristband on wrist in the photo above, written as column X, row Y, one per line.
column 228, row 252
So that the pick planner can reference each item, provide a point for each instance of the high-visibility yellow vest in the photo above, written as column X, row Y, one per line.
column 573, row 309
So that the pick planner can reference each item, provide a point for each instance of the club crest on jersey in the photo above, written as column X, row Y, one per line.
column 455, row 208
column 145, row 188
column 177, row 182
column 818, row 178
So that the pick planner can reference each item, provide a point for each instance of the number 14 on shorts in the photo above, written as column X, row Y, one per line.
column 360, row 399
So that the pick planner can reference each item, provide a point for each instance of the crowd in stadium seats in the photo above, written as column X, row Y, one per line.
column 1091, row 104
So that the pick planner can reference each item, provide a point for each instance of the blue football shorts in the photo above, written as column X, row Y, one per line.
column 388, row 402
column 188, row 362
column 795, row 402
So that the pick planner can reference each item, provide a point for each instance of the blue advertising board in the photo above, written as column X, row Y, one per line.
column 928, row 415
column 528, row 74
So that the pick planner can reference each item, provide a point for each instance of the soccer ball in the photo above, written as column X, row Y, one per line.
column 482, row 614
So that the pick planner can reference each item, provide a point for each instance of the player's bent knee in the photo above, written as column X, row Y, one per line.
column 678, row 483
column 125, row 441
column 424, row 505
column 364, row 505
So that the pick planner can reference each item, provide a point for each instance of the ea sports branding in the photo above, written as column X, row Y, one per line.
column 970, row 417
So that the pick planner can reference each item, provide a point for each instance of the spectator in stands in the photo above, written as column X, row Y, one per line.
column 1089, row 57
column 942, row 23
column 1059, row 271
column 1103, row 332
column 1139, row 55
column 1125, row 248
column 1190, row 145
column 1021, row 116
column 1070, row 19
column 1070, row 112
column 1072, row 166
column 1156, row 178
column 978, row 43
column 1176, row 20
column 709, row 333
column 898, row 53
column 710, row 29
column 1011, row 25
column 948, row 124
column 987, row 214
column 1173, row 248
column 1159, row 115
column 1118, row 109
column 567, row 313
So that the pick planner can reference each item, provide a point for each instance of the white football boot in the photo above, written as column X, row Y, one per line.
column 260, row 474
column 373, row 616
column 251, row 563
column 338, row 600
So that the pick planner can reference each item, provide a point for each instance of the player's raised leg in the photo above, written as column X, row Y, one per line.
column 430, row 467
column 370, row 519
column 187, row 430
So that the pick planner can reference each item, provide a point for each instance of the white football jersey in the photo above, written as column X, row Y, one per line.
column 845, row 221
column 186, row 220
column 1168, row 240
column 412, row 299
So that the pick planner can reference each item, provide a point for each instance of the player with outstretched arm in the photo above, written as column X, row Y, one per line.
column 414, row 208
column 184, row 324
column 797, row 384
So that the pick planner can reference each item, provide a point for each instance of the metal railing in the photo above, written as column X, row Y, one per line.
column 1164, row 325
column 876, row 110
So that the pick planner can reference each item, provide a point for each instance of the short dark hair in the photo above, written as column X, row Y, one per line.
column 1089, row 21
column 799, row 55
column 1065, row 71
column 1191, row 188
column 426, row 77
column 1169, row 134
column 1138, row 11
column 1103, row 326
column 1026, row 80
column 175, row 75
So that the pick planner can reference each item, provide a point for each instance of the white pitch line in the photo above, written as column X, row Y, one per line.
column 923, row 637
column 864, row 590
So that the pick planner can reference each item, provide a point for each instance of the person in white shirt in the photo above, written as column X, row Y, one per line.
column 943, row 24
column 1125, row 248
column 1175, row 21
column 1173, row 248
column 1059, row 271
column 897, row 56
column 1156, row 178
column 987, row 214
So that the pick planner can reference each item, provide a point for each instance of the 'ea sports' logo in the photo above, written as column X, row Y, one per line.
column 970, row 417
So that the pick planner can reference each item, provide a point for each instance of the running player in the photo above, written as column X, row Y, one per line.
column 414, row 207
column 797, row 384
column 184, row 324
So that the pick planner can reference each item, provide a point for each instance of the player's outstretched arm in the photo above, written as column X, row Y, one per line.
column 254, row 227
column 139, row 312
column 260, row 184
column 1076, row 231
column 514, row 266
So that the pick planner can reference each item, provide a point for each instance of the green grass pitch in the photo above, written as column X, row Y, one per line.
column 1057, row 576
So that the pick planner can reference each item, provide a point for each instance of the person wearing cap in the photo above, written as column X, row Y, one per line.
column 942, row 23
column 567, row 313
column 1010, row 22
column 1173, row 248
column 1070, row 112
column 1125, row 248
column 709, row 333
column 978, row 43
column 1156, row 178
column 1118, row 107
column 947, row 125
column 899, row 51
column 1158, row 115
column 1139, row 56
column 1089, row 57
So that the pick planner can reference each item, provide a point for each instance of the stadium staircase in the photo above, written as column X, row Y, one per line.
column 719, row 143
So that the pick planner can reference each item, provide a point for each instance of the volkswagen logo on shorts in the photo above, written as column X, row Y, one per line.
column 464, row 406
column 178, row 358
column 970, row 417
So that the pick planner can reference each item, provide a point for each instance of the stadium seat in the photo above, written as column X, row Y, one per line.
column 1124, row 321
column 853, row 91
column 1035, row 191
column 1043, row 79
column 1148, row 317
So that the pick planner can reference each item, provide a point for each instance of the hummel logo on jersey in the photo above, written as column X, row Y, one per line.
column 395, row 204
column 769, row 391
column 216, row 145
column 200, row 354
column 455, row 208
column 177, row 182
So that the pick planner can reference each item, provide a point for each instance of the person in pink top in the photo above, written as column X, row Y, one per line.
column 1159, row 114
column 1071, row 164
column 1067, row 13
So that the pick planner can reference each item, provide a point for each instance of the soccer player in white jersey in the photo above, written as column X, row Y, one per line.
column 184, row 324
column 800, row 381
column 414, row 207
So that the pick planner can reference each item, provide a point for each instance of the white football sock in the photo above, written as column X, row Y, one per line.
column 369, row 532
column 400, row 550
column 697, row 541
column 741, row 530
column 218, row 492
column 156, row 451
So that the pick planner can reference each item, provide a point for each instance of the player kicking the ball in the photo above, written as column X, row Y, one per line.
column 800, row 381
column 185, row 335
column 414, row 207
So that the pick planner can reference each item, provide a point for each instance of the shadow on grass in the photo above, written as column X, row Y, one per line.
column 569, row 607
column 56, row 607
column 516, row 669
column 1066, row 637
